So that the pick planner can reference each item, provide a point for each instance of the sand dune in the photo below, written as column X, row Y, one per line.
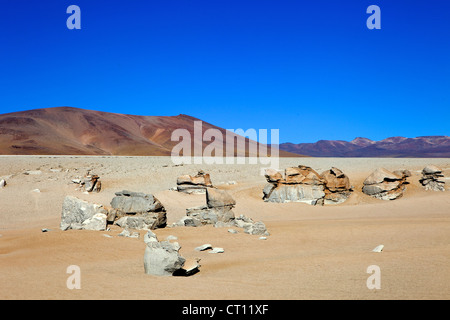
column 312, row 252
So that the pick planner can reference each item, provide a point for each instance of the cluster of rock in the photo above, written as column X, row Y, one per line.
column 132, row 210
column 194, row 184
column 218, row 212
column 303, row 184
column 386, row 185
column 431, row 178
column 90, row 183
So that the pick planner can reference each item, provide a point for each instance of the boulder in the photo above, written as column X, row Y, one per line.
column 301, row 184
column 79, row 214
column 194, row 184
column 161, row 258
column 216, row 198
column 219, row 205
column 137, row 210
column 431, row 178
column 385, row 185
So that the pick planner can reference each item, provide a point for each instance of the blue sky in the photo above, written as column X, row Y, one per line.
column 309, row 68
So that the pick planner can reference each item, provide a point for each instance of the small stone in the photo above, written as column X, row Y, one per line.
column 378, row 248
column 204, row 247
column 232, row 231
column 217, row 250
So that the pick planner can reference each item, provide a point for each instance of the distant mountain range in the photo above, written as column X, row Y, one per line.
column 394, row 147
column 73, row 131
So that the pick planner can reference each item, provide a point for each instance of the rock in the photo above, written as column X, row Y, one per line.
column 79, row 214
column 191, row 267
column 251, row 227
column 2, row 183
column 262, row 238
column 36, row 191
column 126, row 233
column 403, row 173
column 150, row 237
column 431, row 169
column 204, row 247
column 378, row 248
column 337, row 186
column 385, row 185
column 218, row 209
column 194, row 184
column 232, row 231
column 90, row 183
column 45, row 230
column 273, row 175
column 188, row 221
column 217, row 250
column 257, row 228
column 430, row 179
column 137, row 210
column 96, row 222
column 33, row 172
column 171, row 237
column 301, row 184
column 216, row 198
column 162, row 258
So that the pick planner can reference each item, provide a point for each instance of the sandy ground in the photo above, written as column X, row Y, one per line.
column 311, row 253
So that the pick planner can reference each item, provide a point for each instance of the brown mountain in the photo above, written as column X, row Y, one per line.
column 72, row 131
column 394, row 147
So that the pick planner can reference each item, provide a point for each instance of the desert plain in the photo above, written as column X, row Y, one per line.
column 312, row 252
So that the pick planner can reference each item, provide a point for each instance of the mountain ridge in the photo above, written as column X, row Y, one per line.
column 74, row 131
column 392, row 147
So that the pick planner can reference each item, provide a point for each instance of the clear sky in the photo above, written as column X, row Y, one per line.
column 309, row 68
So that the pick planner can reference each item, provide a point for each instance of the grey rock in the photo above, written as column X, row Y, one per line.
column 162, row 258
column 126, row 233
column 257, row 228
column 431, row 178
column 79, row 214
column 96, row 222
column 2, row 183
column 204, row 247
column 141, row 211
column 385, row 185
column 217, row 250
